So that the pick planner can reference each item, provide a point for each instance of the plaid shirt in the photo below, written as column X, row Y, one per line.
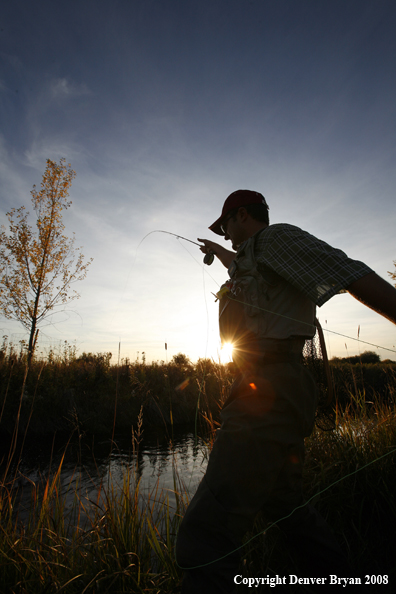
column 315, row 268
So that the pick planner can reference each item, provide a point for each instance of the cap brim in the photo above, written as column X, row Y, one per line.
column 216, row 227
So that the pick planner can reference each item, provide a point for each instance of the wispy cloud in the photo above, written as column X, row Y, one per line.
column 12, row 60
column 63, row 87
column 52, row 148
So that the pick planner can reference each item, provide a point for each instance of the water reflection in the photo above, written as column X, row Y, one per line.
column 89, row 466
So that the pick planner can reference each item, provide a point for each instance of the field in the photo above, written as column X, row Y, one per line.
column 128, row 543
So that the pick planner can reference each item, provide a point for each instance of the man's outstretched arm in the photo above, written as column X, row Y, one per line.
column 376, row 293
column 225, row 256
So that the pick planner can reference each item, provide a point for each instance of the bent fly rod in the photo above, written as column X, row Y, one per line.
column 208, row 258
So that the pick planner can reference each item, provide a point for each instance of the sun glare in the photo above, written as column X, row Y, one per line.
column 226, row 352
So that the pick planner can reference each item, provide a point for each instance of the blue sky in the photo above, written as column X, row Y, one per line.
column 163, row 108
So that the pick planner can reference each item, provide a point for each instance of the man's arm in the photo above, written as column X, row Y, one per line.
column 225, row 256
column 376, row 293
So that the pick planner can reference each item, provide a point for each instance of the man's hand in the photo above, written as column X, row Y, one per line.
column 225, row 256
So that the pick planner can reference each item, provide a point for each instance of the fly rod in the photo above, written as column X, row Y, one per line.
column 208, row 258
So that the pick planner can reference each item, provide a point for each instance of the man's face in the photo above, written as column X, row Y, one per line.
column 234, row 231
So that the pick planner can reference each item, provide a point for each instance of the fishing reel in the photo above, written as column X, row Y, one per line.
column 208, row 258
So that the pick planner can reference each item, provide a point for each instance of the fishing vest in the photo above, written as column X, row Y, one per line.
column 257, row 306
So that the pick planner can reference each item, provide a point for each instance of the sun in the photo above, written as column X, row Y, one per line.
column 226, row 352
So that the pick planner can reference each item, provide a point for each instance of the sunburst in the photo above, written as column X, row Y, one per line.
column 226, row 352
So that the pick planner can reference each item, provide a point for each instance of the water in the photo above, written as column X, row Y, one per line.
column 91, row 463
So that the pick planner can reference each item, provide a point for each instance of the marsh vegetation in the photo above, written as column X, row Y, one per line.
column 121, row 538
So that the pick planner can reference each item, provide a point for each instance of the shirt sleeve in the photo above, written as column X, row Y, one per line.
column 309, row 264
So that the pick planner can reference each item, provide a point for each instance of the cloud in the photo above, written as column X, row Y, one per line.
column 54, row 148
column 62, row 87
column 12, row 60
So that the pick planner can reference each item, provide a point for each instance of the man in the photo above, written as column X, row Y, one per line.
column 278, row 275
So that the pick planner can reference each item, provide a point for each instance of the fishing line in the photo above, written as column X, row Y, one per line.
column 205, row 366
column 207, row 331
column 310, row 325
column 137, row 249
column 208, row 259
column 358, row 340
column 205, row 270
column 288, row 516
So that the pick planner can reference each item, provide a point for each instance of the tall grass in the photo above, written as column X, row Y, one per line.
column 126, row 544
column 121, row 541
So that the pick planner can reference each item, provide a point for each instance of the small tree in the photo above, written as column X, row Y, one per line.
column 393, row 274
column 38, row 267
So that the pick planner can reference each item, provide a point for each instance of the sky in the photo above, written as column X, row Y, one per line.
column 165, row 107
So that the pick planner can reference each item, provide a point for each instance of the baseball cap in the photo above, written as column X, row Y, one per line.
column 236, row 200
